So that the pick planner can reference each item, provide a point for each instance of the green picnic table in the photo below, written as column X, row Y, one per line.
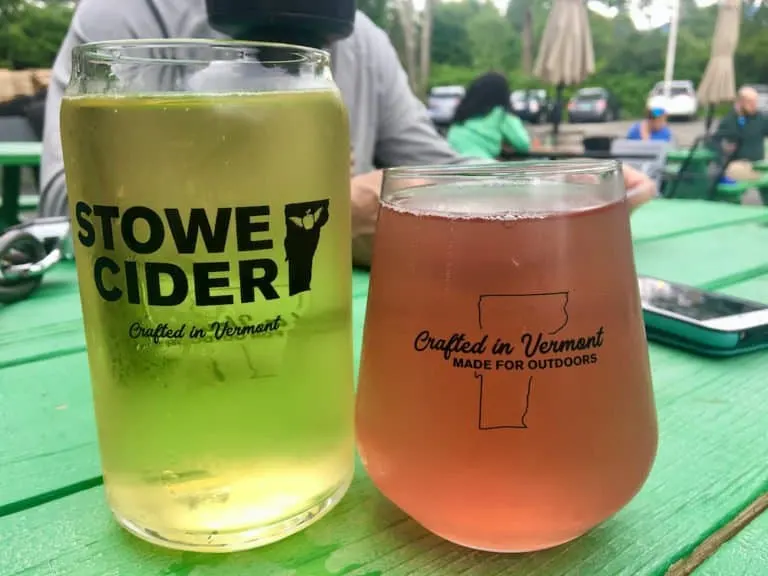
column 14, row 156
column 700, row 155
column 696, row 182
column 695, row 179
column 702, row 509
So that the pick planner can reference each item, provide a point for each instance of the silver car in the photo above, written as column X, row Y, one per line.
column 442, row 103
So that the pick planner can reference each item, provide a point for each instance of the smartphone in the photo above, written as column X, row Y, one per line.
column 707, row 323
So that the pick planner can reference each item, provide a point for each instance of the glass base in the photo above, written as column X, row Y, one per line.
column 247, row 539
column 520, row 548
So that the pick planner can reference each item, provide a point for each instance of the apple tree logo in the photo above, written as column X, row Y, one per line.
column 303, row 223
column 508, row 370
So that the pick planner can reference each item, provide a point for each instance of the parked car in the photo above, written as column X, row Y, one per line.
column 681, row 102
column 442, row 103
column 762, row 97
column 594, row 105
column 531, row 105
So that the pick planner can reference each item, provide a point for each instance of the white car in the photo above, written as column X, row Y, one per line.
column 442, row 103
column 681, row 102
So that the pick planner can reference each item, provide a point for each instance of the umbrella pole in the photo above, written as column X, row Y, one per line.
column 558, row 113
column 710, row 118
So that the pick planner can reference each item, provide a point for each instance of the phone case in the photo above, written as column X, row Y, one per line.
column 697, row 339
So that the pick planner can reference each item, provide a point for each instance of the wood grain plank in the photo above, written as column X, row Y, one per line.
column 746, row 554
column 754, row 289
column 47, row 429
column 47, row 325
column 668, row 218
column 711, row 259
column 47, row 425
column 713, row 544
column 709, row 467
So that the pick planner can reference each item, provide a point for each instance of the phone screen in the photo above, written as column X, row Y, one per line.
column 692, row 302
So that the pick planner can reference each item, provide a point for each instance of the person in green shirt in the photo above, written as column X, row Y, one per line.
column 484, row 121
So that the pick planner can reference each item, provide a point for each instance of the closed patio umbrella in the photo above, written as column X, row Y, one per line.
column 719, row 82
column 566, row 56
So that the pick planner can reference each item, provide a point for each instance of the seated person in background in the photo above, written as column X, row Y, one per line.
column 653, row 127
column 740, row 137
column 483, row 120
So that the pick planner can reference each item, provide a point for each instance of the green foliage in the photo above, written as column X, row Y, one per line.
column 377, row 10
column 751, row 60
column 450, row 39
column 31, row 32
column 493, row 44
column 471, row 37
column 628, row 61
column 448, row 75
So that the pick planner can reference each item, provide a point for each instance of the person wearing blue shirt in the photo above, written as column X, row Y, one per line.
column 653, row 127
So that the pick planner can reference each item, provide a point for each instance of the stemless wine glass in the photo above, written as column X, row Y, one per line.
column 208, row 183
column 505, row 397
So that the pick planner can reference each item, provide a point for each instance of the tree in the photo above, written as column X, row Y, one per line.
column 450, row 41
column 426, row 47
column 31, row 33
column 751, row 62
column 407, row 20
column 377, row 10
column 520, row 16
column 416, row 29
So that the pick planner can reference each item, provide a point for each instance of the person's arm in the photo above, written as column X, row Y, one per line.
column 94, row 20
column 645, row 130
column 405, row 134
column 640, row 188
column 515, row 133
column 726, row 137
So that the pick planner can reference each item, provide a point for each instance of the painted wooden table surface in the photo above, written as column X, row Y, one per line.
column 700, row 154
column 710, row 472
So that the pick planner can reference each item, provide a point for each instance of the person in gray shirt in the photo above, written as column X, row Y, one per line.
column 387, row 122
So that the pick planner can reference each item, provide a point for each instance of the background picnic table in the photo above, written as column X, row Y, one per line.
column 710, row 467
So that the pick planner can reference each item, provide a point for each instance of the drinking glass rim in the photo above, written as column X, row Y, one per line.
column 506, row 170
column 112, row 51
column 403, row 183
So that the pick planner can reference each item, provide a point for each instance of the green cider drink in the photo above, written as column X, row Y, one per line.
column 212, row 240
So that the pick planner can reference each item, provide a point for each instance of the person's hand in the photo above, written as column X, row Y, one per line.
column 729, row 147
column 365, row 193
column 640, row 188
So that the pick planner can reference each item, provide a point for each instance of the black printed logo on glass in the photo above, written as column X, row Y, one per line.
column 219, row 257
column 522, row 337
column 303, row 223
